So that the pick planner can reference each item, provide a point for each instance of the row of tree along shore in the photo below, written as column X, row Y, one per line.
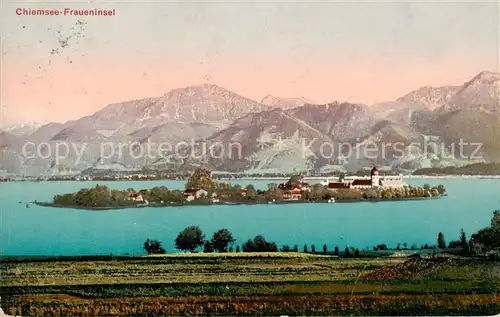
column 484, row 242
column 201, row 189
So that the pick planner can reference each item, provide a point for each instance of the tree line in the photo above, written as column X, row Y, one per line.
column 190, row 239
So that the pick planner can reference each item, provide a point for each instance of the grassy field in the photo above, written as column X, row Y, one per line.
column 248, row 284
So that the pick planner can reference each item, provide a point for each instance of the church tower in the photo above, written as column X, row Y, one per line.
column 375, row 177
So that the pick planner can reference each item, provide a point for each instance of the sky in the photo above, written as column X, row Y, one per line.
column 58, row 68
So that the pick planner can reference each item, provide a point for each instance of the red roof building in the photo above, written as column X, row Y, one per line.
column 362, row 182
column 293, row 194
column 339, row 185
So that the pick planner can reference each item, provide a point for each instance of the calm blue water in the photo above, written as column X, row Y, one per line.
column 53, row 231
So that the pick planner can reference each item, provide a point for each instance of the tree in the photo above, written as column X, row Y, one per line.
column 238, row 249
column 259, row 244
column 347, row 253
column 455, row 244
column 295, row 248
column 175, row 196
column 313, row 249
column 153, row 247
column 441, row 189
column 158, row 194
column 274, row 195
column 470, row 247
column 441, row 242
column 317, row 192
column 222, row 239
column 305, row 248
column 495, row 221
column 381, row 247
column 201, row 179
column 435, row 192
column 272, row 186
column 285, row 248
column 231, row 192
column 189, row 239
column 463, row 239
column 208, row 247
column 336, row 251
column 356, row 253
column 249, row 246
column 251, row 192
column 325, row 249
column 371, row 193
column 427, row 186
column 487, row 239
column 294, row 180
column 100, row 196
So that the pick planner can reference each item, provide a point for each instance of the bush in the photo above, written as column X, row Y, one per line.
column 153, row 247
column 189, row 239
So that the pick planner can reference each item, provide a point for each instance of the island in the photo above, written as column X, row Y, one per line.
column 201, row 189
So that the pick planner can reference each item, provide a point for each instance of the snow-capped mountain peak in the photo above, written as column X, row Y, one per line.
column 23, row 128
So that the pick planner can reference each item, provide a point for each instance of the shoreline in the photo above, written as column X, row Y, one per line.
column 277, row 178
column 202, row 204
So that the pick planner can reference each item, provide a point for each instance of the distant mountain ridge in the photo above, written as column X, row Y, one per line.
column 212, row 114
column 482, row 91
column 430, row 97
column 285, row 103
column 23, row 128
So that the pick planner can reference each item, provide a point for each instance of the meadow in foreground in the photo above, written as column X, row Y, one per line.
column 255, row 284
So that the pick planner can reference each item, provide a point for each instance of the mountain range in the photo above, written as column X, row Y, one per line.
column 274, row 135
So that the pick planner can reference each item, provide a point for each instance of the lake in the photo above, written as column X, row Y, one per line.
column 55, row 231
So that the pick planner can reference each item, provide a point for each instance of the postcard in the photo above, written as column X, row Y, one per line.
column 241, row 158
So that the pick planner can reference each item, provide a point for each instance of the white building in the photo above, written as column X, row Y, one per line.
column 192, row 194
column 374, row 181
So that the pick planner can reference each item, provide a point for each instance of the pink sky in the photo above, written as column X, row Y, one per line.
column 323, row 54
column 66, row 91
